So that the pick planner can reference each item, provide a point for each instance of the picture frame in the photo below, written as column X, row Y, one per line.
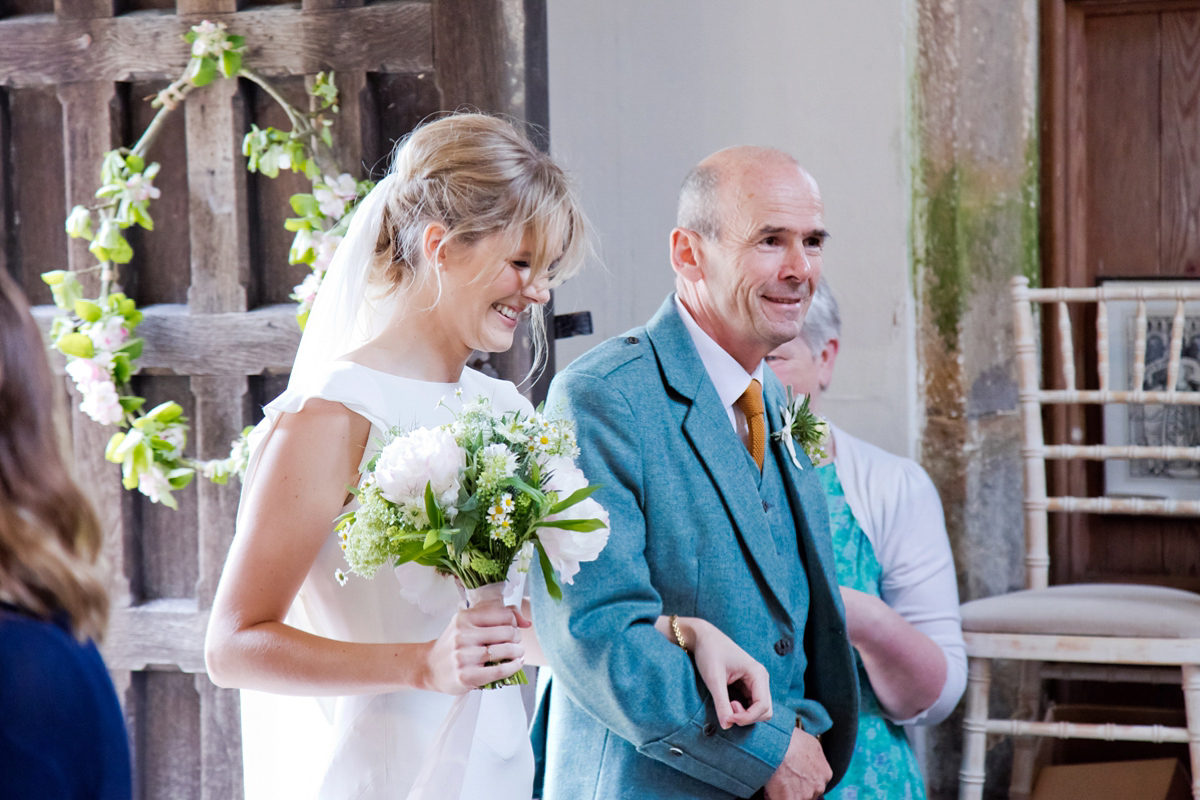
column 1152, row 424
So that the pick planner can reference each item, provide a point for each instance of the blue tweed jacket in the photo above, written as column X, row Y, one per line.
column 626, row 714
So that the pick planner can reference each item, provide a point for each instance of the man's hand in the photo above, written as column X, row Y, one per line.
column 803, row 773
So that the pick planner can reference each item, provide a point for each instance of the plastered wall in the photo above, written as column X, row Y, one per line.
column 639, row 92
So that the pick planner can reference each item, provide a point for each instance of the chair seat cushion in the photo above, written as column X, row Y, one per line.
column 1088, row 609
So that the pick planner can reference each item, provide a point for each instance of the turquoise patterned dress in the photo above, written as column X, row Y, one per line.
column 884, row 765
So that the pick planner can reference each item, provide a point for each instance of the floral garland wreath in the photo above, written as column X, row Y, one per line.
column 97, row 335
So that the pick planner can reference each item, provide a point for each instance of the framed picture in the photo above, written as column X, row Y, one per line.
column 1152, row 425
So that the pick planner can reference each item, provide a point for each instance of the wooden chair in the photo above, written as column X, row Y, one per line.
column 1072, row 630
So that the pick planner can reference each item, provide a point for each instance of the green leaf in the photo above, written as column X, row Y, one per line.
column 133, row 442
column 305, row 204
column 302, row 319
column 268, row 162
column 580, row 525
column 122, row 367
column 135, row 162
column 79, row 223
column 431, row 508
column 575, row 497
column 131, row 404
column 326, row 137
column 98, row 251
column 431, row 538
column 132, row 348
column 166, row 412
column 297, row 224
column 466, row 522
column 110, row 449
column 189, row 37
column 54, row 277
column 87, row 311
column 237, row 41
column 537, row 494
column 180, row 477
column 123, row 253
column 552, row 587
column 206, row 71
column 76, row 344
column 141, row 216
column 231, row 62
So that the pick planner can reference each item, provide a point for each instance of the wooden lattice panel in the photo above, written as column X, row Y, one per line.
column 213, row 277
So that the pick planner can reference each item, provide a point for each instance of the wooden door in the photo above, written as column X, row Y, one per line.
column 213, row 279
column 1121, row 199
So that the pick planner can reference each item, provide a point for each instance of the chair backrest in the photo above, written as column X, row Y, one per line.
column 1177, row 400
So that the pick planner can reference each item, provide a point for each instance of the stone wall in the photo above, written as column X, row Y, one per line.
column 974, row 226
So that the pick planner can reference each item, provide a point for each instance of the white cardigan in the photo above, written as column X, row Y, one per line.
column 899, row 510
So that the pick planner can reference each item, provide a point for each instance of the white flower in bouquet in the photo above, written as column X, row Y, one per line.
column 567, row 549
column 496, row 464
column 409, row 463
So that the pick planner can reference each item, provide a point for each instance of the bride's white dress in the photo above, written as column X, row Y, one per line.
column 374, row 746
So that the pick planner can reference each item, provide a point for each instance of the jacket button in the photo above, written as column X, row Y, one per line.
column 631, row 340
column 710, row 729
column 766, row 506
column 783, row 646
column 675, row 751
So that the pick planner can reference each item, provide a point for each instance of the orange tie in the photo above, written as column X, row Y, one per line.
column 751, row 405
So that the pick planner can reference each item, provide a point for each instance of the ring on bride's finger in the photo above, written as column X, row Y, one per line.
column 488, row 650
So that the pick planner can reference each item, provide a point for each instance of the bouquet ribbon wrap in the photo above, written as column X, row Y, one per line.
column 446, row 765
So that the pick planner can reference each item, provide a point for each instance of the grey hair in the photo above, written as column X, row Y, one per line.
column 698, row 202
column 824, row 321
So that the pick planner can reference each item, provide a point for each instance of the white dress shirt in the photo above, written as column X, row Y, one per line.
column 723, row 370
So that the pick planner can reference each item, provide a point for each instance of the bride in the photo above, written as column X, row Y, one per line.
column 469, row 230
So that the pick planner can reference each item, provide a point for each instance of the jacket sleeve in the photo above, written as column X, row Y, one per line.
column 600, row 638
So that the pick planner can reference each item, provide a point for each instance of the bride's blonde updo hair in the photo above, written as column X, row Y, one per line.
column 478, row 176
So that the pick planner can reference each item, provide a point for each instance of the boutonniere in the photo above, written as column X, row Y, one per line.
column 803, row 426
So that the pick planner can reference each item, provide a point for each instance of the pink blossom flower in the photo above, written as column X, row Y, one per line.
column 108, row 334
column 335, row 194
column 101, row 402
column 326, row 246
column 85, row 371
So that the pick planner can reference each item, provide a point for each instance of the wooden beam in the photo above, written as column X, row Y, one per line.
column 83, row 9
column 218, row 419
column 220, row 248
column 159, row 633
column 475, row 53
column 220, row 742
column 38, row 50
column 89, row 131
column 249, row 343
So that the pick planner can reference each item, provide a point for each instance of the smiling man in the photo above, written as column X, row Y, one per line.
column 709, row 519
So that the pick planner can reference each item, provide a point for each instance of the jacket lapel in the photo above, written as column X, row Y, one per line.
column 804, row 490
column 706, row 426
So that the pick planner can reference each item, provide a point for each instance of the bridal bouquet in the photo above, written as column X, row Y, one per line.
column 476, row 498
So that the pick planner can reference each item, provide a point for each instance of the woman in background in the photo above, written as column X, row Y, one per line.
column 62, row 734
column 896, row 572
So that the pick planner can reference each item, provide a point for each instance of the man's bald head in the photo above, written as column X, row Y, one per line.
column 700, row 197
